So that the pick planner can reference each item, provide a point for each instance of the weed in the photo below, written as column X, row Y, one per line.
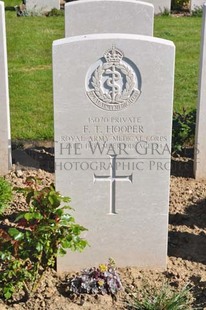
column 183, row 130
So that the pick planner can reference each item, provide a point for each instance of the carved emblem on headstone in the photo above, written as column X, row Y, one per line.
column 112, row 84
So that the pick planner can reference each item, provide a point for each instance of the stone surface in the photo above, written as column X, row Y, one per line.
column 41, row 6
column 160, row 6
column 113, row 119
column 5, row 142
column 108, row 16
column 200, row 140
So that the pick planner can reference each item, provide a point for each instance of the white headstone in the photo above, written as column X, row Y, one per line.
column 196, row 4
column 41, row 6
column 5, row 139
column 108, row 16
column 113, row 116
column 200, row 138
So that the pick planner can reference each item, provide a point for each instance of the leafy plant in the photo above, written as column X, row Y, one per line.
column 41, row 233
column 5, row 194
column 197, row 11
column 163, row 299
column 101, row 280
column 183, row 129
column 165, row 12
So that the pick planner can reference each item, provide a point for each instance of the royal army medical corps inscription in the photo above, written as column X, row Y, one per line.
column 113, row 82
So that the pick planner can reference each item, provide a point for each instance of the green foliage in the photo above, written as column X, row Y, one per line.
column 179, row 5
column 197, row 11
column 41, row 233
column 5, row 194
column 183, row 130
column 165, row 12
column 55, row 12
column 162, row 299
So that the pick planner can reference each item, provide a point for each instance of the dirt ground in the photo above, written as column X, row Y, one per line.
column 186, row 247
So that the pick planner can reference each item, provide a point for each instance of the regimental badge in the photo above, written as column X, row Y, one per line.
column 112, row 83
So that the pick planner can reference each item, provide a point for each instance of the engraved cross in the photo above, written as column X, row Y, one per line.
column 112, row 178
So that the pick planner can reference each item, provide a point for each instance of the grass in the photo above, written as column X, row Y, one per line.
column 5, row 194
column 185, row 33
column 160, row 298
column 10, row 3
column 29, row 41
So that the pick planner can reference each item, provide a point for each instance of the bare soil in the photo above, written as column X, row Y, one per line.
column 186, row 247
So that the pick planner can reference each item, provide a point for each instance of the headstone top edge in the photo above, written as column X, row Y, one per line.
column 2, row 4
column 102, row 36
column 75, row 3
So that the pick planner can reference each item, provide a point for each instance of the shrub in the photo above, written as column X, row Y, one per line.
column 41, row 233
column 55, row 12
column 179, row 5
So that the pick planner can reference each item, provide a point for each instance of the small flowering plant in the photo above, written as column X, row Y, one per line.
column 101, row 280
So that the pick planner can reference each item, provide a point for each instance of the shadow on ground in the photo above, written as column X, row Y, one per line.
column 190, row 245
column 194, row 216
column 182, row 165
column 187, row 246
column 33, row 155
column 40, row 155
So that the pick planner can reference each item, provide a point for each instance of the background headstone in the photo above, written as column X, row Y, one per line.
column 113, row 117
column 160, row 6
column 5, row 139
column 200, row 138
column 41, row 6
column 108, row 16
